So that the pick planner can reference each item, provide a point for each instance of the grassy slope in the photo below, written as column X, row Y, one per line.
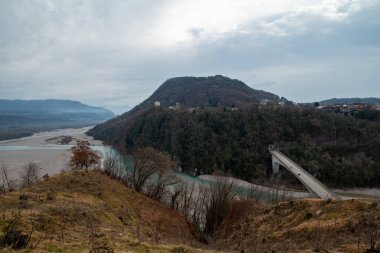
column 78, row 202
column 293, row 226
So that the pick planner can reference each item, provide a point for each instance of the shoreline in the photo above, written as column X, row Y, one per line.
column 247, row 185
column 343, row 193
column 52, row 158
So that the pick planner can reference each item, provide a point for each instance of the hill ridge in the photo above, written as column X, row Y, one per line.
column 189, row 91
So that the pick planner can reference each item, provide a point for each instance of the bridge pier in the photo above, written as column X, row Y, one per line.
column 275, row 167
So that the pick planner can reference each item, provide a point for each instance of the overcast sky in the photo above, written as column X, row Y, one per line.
column 116, row 53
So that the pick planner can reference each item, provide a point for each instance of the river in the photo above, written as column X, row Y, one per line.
column 54, row 158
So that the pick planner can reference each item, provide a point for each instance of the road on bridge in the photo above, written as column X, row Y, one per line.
column 306, row 178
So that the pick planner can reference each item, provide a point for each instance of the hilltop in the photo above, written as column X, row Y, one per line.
column 76, row 209
column 209, row 91
column 23, row 117
column 212, row 91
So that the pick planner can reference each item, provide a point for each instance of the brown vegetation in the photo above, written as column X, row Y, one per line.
column 6, row 183
column 30, row 174
column 83, row 157
column 77, row 209
column 300, row 226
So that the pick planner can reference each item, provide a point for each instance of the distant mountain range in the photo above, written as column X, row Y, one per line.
column 348, row 101
column 23, row 117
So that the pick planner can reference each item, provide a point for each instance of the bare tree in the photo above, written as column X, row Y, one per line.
column 6, row 184
column 158, row 187
column 199, row 205
column 146, row 163
column 220, row 197
column 30, row 174
column 176, row 194
column 115, row 165
column 369, row 229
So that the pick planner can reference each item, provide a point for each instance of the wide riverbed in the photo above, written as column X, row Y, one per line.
column 52, row 158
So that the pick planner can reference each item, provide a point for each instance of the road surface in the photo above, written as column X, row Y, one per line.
column 310, row 182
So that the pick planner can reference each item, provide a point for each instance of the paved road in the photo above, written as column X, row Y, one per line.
column 308, row 180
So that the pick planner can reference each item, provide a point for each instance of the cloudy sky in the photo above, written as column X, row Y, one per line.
column 116, row 53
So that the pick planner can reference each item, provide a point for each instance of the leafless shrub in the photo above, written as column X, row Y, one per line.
column 158, row 187
column 30, row 174
column 146, row 163
column 13, row 238
column 190, row 201
column 220, row 197
column 199, row 206
column 149, row 173
column 6, row 184
column 369, row 228
column 115, row 165
column 255, row 192
column 176, row 194
column 275, row 193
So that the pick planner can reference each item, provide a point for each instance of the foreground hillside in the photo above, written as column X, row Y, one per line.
column 81, row 211
column 20, row 118
column 301, row 226
column 77, row 210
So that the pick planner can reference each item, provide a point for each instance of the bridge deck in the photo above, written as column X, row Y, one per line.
column 306, row 178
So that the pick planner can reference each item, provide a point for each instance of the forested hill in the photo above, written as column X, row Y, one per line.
column 339, row 149
column 189, row 92
column 20, row 118
column 206, row 91
column 349, row 101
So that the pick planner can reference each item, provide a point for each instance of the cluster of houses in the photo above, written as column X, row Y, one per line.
column 178, row 106
column 344, row 108
column 282, row 102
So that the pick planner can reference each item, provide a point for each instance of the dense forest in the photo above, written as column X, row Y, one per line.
column 340, row 150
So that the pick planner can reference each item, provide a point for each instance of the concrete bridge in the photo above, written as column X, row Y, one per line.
column 310, row 182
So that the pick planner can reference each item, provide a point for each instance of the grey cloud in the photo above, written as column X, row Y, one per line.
column 90, row 51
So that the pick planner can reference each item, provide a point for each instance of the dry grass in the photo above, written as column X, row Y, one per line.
column 78, row 209
column 294, row 226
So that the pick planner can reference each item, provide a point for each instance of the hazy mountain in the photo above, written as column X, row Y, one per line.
column 23, row 117
column 335, row 101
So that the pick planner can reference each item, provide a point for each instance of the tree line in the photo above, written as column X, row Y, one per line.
column 339, row 150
